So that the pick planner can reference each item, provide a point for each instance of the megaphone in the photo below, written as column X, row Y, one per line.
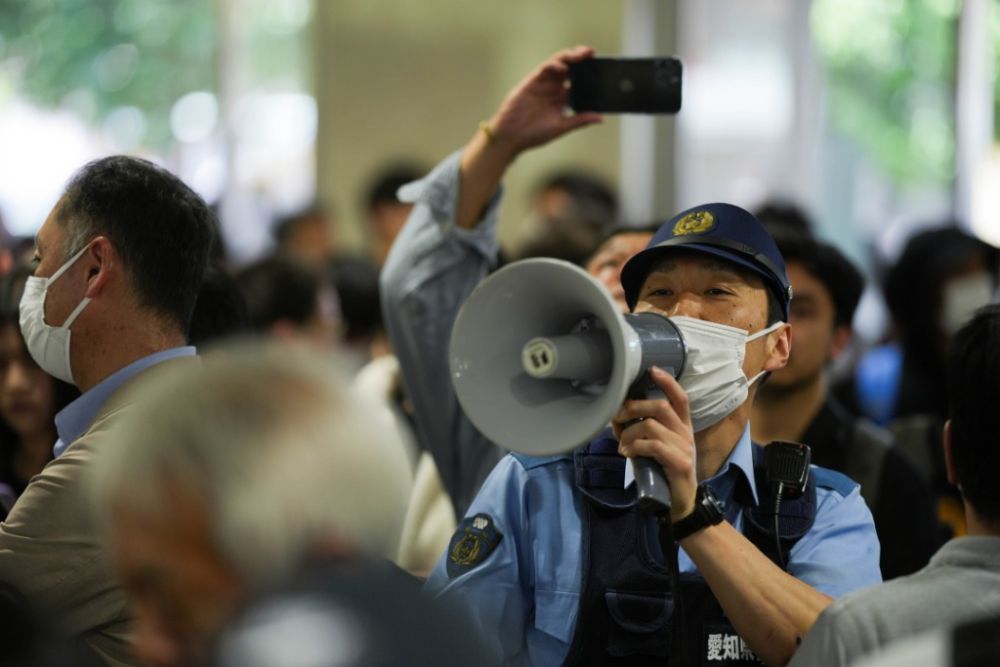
column 541, row 360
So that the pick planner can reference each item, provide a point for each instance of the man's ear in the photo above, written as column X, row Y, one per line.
column 949, row 461
column 101, row 263
column 842, row 335
column 779, row 345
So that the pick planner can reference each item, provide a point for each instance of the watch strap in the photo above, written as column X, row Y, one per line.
column 707, row 512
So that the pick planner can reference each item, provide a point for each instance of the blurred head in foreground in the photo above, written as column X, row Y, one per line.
column 368, row 615
column 227, row 477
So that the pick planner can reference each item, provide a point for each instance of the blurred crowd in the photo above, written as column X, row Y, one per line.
column 205, row 463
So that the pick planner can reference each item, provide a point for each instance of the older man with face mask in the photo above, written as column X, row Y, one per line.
column 554, row 560
column 118, row 264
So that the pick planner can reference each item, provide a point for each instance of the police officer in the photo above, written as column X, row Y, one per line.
column 554, row 561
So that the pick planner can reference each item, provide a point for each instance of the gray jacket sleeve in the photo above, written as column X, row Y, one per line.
column 431, row 269
column 833, row 641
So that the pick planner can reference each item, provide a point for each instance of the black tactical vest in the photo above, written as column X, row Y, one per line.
column 626, row 604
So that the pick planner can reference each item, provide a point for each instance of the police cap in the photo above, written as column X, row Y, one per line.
column 722, row 230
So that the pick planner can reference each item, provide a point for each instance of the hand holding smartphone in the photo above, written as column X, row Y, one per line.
column 626, row 85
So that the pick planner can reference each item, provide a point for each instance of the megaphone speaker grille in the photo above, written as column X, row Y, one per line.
column 536, row 298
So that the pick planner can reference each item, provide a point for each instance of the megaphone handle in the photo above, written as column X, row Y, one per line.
column 652, row 487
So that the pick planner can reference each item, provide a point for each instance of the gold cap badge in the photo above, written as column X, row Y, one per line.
column 697, row 222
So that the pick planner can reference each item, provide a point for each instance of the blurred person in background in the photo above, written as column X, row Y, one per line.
column 6, row 255
column 15, row 250
column 385, row 214
column 962, row 581
column 308, row 234
column 941, row 278
column 218, row 253
column 429, row 520
column 118, row 264
column 287, row 300
column 355, row 280
column 430, row 517
column 6, row 258
column 782, row 217
column 607, row 261
column 952, row 274
column 220, row 311
column 29, row 399
column 795, row 404
column 571, row 212
column 258, row 467
column 334, row 305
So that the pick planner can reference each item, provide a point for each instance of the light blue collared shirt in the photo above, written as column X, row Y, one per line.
column 524, row 596
column 74, row 419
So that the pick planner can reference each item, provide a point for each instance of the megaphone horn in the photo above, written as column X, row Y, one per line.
column 541, row 360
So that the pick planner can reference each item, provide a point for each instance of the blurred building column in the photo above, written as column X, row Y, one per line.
column 973, row 101
column 647, row 141
column 809, row 115
column 228, row 89
column 751, row 123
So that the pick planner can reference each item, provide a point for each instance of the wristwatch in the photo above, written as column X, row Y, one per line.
column 707, row 512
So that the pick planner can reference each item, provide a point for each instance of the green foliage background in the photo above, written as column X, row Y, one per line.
column 891, row 75
column 96, row 55
column 890, row 65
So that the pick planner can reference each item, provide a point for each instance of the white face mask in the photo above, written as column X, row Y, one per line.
column 963, row 297
column 48, row 345
column 713, row 371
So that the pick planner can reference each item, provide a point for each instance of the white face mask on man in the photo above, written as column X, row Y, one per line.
column 962, row 298
column 48, row 345
column 713, row 375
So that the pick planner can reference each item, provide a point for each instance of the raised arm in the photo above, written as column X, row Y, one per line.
column 531, row 115
column 446, row 248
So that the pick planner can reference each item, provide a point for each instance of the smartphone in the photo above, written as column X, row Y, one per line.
column 626, row 85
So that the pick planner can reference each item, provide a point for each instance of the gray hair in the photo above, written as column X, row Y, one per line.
column 270, row 441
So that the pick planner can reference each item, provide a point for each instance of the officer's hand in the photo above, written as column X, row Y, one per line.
column 533, row 113
column 664, row 434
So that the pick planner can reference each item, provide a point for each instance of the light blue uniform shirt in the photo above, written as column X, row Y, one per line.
column 524, row 595
column 74, row 419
